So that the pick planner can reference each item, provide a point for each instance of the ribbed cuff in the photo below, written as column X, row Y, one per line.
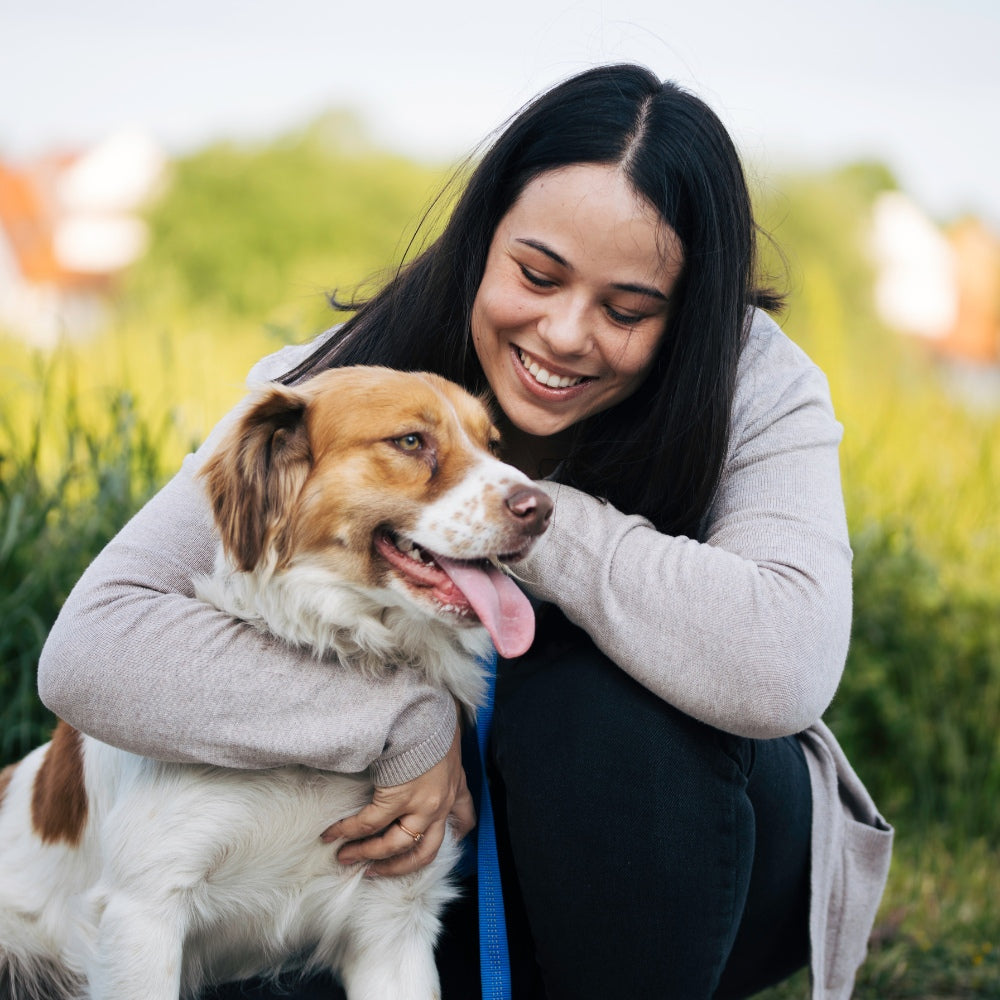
column 410, row 764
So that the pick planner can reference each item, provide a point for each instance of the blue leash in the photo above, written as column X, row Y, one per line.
column 494, row 960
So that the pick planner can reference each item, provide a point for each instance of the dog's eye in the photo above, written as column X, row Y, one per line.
column 409, row 442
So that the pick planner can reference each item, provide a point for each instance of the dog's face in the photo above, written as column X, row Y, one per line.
column 384, row 479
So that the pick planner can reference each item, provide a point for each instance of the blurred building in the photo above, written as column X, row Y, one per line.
column 975, row 334
column 942, row 285
column 69, row 224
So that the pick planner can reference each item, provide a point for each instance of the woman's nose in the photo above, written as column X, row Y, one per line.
column 565, row 328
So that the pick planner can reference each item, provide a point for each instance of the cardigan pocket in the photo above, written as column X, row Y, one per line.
column 857, row 892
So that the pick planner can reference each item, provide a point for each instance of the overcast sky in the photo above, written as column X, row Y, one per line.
column 915, row 83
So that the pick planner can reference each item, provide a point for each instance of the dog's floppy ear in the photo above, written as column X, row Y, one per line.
column 257, row 471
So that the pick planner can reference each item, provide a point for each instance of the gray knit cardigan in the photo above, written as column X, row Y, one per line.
column 746, row 631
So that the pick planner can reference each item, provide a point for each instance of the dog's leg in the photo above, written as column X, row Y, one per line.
column 138, row 950
column 390, row 947
column 388, row 968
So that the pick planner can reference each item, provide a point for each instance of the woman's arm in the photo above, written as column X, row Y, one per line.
column 136, row 660
column 747, row 631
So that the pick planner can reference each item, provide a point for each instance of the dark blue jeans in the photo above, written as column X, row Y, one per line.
column 644, row 854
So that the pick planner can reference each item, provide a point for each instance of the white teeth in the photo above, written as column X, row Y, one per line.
column 545, row 378
column 411, row 549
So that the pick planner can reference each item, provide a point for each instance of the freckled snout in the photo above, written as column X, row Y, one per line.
column 532, row 509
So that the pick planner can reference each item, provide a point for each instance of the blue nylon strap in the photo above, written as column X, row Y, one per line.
column 494, row 960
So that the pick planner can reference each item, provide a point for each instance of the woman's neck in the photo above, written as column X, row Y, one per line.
column 535, row 456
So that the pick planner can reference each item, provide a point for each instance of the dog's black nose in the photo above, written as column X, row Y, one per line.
column 531, row 507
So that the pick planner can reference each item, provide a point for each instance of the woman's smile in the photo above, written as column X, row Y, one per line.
column 544, row 374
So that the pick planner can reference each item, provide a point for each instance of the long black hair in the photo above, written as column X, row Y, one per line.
column 659, row 452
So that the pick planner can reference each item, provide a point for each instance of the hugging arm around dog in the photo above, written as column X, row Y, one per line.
column 675, row 819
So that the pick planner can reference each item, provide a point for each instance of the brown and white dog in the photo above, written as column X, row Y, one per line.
column 362, row 515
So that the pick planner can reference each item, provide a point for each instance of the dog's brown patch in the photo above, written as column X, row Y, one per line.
column 314, row 469
column 5, row 775
column 59, row 796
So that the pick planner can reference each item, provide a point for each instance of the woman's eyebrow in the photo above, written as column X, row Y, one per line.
column 626, row 286
column 545, row 249
column 641, row 290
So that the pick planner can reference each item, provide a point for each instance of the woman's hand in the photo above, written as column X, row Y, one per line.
column 422, row 806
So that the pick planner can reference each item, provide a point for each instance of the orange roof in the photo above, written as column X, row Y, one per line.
column 28, row 224
column 975, row 335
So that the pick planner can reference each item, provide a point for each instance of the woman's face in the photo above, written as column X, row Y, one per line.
column 575, row 297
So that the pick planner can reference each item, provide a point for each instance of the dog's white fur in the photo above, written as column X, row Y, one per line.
column 175, row 877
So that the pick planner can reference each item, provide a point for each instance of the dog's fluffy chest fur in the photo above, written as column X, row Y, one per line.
column 353, row 626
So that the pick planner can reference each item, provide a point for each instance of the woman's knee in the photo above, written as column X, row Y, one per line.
column 630, row 830
column 569, row 720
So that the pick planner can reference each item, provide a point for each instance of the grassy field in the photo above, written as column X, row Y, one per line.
column 245, row 245
column 936, row 935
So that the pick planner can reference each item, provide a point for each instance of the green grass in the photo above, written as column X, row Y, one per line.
column 68, row 481
column 937, row 936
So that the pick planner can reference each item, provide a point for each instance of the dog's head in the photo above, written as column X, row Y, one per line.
column 386, row 480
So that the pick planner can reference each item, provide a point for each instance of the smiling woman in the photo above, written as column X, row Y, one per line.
column 683, row 197
column 674, row 819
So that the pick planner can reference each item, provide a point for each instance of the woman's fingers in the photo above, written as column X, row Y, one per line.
column 393, row 842
column 414, row 856
column 371, row 821
column 403, row 827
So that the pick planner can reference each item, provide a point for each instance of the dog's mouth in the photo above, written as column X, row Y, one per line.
column 466, row 588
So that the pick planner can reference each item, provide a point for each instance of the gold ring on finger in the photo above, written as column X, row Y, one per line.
column 417, row 837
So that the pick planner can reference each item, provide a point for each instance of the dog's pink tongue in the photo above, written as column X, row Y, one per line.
column 497, row 600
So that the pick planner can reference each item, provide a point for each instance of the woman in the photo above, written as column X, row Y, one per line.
column 673, row 818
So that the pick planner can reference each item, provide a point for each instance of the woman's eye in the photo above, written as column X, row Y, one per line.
column 409, row 442
column 625, row 319
column 536, row 279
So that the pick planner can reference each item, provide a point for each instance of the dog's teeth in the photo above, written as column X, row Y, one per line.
column 414, row 552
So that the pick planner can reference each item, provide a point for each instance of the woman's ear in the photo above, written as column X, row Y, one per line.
column 257, row 472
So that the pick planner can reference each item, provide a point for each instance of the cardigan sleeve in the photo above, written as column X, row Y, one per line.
column 135, row 660
column 747, row 630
